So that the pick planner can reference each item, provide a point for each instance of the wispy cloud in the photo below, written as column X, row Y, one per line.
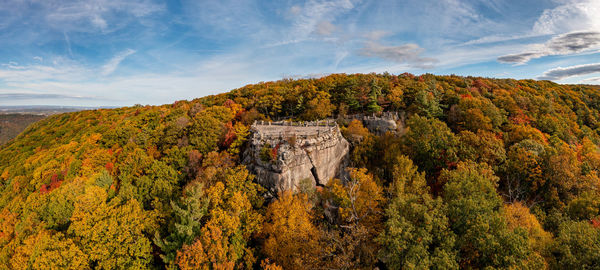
column 500, row 38
column 591, row 80
column 29, row 96
column 376, row 34
column 406, row 53
column 113, row 63
column 562, row 73
column 58, row 69
column 65, row 82
column 194, row 48
column 103, row 15
column 324, row 28
column 315, row 16
column 565, row 44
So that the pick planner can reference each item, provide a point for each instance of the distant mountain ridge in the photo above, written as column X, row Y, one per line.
column 13, row 124
column 44, row 109
column 14, row 119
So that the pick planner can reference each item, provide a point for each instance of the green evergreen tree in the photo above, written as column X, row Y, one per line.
column 188, row 214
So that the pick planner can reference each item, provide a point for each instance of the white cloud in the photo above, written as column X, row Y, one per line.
column 573, row 15
column 113, row 63
column 560, row 73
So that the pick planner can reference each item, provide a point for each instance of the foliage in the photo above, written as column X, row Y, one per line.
column 495, row 173
column 483, row 237
column 358, row 203
column 290, row 238
column 417, row 233
column 96, row 224
column 187, row 221
column 577, row 245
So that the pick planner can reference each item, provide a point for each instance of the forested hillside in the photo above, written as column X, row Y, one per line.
column 13, row 124
column 487, row 173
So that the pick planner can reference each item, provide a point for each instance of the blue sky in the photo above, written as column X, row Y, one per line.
column 116, row 52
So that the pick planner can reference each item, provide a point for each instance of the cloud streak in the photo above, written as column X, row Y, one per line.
column 29, row 96
column 113, row 63
column 404, row 54
column 93, row 15
column 565, row 44
column 562, row 73
column 591, row 80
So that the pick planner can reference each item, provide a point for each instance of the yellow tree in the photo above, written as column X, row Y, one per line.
column 518, row 216
column 290, row 238
column 359, row 206
column 232, row 219
column 49, row 251
column 209, row 251
column 111, row 234
column 319, row 107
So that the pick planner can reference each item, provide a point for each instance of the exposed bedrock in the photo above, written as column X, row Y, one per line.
column 380, row 124
column 283, row 154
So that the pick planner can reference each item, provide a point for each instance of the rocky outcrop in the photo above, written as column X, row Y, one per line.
column 283, row 154
column 380, row 124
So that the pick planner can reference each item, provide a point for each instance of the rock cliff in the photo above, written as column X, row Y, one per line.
column 283, row 154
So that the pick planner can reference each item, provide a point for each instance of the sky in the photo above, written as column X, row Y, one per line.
column 126, row 52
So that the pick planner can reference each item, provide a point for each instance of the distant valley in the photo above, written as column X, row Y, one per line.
column 15, row 119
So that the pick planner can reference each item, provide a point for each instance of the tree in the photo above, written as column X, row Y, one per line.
column 481, row 147
column 208, row 128
column 232, row 219
column 584, row 207
column 518, row 216
column 483, row 238
column 523, row 172
column 577, row 246
column 290, row 238
column 362, row 140
column 417, row 234
column 476, row 113
column 45, row 250
column 188, row 214
column 359, row 200
column 209, row 251
column 372, row 105
column 111, row 235
column 431, row 145
column 358, row 206
column 319, row 107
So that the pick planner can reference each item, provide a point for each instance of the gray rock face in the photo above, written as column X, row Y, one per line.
column 379, row 125
column 313, row 152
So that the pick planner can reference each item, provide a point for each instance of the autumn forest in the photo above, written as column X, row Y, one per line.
column 486, row 174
